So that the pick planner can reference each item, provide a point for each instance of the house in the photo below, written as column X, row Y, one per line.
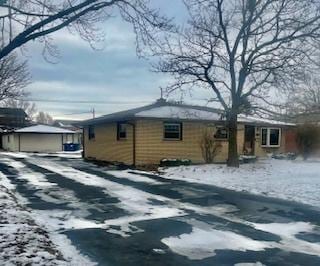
column 12, row 118
column 38, row 138
column 148, row 134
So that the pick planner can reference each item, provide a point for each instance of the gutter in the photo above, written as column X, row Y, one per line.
column 133, row 142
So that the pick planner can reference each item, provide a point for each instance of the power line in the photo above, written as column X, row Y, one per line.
column 84, row 101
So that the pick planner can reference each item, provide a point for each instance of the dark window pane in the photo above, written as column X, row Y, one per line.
column 264, row 135
column 122, row 131
column 221, row 133
column 274, row 137
column 172, row 131
column 91, row 132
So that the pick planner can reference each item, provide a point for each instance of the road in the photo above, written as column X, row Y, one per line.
column 128, row 217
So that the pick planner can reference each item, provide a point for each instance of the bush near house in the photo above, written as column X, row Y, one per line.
column 308, row 139
column 209, row 146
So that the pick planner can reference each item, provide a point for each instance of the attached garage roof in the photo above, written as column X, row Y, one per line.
column 44, row 129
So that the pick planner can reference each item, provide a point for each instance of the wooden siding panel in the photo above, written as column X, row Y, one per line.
column 151, row 146
column 106, row 147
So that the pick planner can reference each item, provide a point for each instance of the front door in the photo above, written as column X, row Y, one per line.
column 249, row 140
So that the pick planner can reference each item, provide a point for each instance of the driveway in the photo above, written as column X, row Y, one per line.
column 124, row 217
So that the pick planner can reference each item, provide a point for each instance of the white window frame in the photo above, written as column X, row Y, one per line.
column 268, row 137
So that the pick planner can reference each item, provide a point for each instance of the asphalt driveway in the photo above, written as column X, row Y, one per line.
column 135, row 218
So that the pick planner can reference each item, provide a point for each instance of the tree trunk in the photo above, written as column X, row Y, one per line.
column 233, row 159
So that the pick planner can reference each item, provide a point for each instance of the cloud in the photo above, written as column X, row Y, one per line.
column 85, row 78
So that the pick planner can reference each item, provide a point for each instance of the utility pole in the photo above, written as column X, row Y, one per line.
column 93, row 113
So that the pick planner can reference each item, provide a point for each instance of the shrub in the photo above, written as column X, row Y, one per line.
column 209, row 146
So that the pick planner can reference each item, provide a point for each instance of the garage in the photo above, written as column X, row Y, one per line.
column 38, row 138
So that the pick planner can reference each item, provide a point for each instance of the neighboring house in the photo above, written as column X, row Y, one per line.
column 13, row 118
column 38, row 138
column 146, row 135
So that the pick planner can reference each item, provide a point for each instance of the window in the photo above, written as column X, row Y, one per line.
column 121, row 131
column 8, row 138
column 91, row 132
column 221, row 133
column 270, row 137
column 173, row 131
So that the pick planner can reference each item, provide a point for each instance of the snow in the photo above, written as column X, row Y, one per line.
column 138, row 204
column 29, row 237
column 179, row 112
column 258, row 120
column 23, row 242
column 60, row 154
column 184, row 112
column 201, row 244
column 296, row 180
column 205, row 240
column 35, row 179
column 134, row 177
column 44, row 129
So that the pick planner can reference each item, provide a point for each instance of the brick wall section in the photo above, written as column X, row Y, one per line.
column 106, row 147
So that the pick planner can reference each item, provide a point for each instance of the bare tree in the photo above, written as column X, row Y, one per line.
column 22, row 21
column 241, row 50
column 29, row 107
column 14, row 76
column 44, row 118
column 305, row 96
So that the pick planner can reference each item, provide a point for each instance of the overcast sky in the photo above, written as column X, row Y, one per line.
column 109, row 80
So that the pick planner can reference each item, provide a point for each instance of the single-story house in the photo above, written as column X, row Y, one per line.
column 38, row 138
column 148, row 134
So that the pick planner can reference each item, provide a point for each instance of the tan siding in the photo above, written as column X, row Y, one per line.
column 106, row 147
column 151, row 147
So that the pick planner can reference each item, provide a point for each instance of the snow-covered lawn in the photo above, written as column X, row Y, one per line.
column 296, row 180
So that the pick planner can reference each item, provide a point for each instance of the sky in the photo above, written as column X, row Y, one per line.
column 108, row 80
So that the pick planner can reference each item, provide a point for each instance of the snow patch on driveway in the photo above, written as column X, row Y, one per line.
column 136, row 176
column 204, row 241
column 290, row 180
column 201, row 244
column 33, row 178
column 139, row 204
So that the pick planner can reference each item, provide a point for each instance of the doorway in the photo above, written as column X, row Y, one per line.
column 249, row 140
